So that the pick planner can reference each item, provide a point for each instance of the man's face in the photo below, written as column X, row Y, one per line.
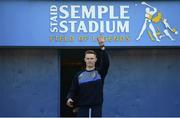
column 90, row 60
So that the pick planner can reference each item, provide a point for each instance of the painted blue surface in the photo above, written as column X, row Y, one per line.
column 29, row 83
column 140, row 82
column 143, row 82
column 27, row 23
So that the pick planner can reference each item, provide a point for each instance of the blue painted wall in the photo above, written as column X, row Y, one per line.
column 29, row 82
column 143, row 82
column 140, row 82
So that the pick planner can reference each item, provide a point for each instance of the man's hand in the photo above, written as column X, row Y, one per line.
column 69, row 103
column 101, row 41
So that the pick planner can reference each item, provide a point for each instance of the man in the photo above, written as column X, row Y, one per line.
column 87, row 86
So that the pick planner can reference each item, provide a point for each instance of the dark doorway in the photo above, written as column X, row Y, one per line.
column 71, row 63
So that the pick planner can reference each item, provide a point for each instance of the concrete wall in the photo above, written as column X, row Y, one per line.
column 29, row 82
column 143, row 82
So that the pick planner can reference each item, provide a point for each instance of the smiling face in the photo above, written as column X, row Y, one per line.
column 90, row 60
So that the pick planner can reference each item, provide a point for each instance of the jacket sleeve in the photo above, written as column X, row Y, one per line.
column 73, row 91
column 104, row 64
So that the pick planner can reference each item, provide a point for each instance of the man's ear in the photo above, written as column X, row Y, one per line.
column 95, row 59
column 84, row 59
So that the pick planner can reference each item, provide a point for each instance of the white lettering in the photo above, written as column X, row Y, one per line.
column 74, row 11
column 88, row 13
column 63, row 25
column 93, row 26
column 123, row 12
column 64, row 12
column 102, row 10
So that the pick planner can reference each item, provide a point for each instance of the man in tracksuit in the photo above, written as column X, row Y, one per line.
column 87, row 86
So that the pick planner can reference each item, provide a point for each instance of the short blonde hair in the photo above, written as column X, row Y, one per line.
column 90, row 52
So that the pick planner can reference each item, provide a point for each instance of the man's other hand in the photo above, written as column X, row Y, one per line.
column 69, row 103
